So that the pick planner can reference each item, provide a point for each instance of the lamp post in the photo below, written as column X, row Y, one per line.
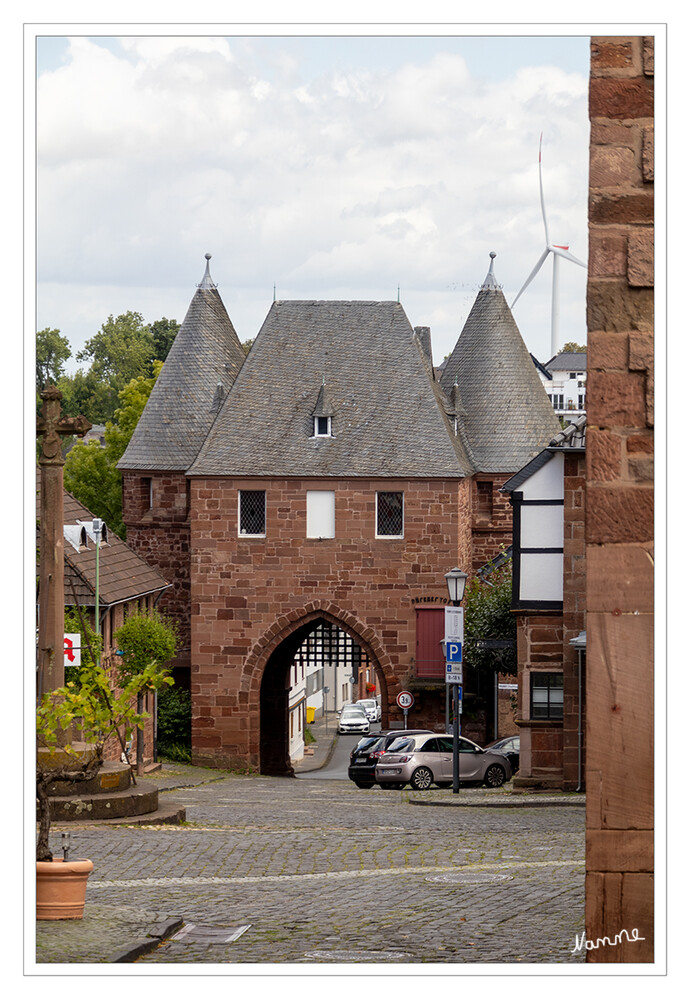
column 456, row 580
column 97, row 532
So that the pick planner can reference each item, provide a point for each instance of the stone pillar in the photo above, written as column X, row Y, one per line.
column 619, row 524
column 51, row 617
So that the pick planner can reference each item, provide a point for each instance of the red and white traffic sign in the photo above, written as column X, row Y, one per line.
column 405, row 700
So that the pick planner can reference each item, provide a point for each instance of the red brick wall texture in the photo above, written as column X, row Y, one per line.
column 620, row 498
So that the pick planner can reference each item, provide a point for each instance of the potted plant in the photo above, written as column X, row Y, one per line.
column 72, row 726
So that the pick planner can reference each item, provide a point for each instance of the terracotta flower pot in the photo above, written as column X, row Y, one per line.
column 61, row 888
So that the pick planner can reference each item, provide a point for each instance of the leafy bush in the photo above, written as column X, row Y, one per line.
column 175, row 723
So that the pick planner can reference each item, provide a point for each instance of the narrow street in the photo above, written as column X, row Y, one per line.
column 315, row 871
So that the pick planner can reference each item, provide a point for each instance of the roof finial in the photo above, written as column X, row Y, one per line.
column 490, row 280
column 206, row 282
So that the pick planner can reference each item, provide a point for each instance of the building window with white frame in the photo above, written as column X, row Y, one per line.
column 322, row 426
column 252, row 513
column 389, row 515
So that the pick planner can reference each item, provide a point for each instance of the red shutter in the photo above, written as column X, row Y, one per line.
column 430, row 633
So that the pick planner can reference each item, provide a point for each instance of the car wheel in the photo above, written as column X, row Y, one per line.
column 363, row 784
column 444, row 783
column 495, row 776
column 422, row 779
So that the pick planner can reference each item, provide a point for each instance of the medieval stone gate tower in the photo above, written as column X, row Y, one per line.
column 329, row 477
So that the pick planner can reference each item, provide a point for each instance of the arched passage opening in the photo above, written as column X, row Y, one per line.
column 316, row 668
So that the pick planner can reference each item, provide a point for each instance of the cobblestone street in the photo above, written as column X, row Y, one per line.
column 306, row 871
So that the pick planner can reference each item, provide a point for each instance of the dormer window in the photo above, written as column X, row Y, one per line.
column 322, row 426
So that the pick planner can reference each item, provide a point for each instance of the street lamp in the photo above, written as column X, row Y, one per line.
column 456, row 580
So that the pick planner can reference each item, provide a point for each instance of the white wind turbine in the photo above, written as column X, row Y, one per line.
column 557, row 252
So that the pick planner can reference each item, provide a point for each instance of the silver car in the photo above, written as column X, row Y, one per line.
column 353, row 718
column 423, row 760
column 371, row 707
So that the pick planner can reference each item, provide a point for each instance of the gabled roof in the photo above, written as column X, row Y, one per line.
column 387, row 414
column 205, row 354
column 122, row 574
column 509, row 418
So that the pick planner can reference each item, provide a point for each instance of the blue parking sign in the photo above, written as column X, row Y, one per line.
column 453, row 652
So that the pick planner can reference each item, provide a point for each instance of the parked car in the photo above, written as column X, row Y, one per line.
column 363, row 758
column 353, row 718
column 372, row 708
column 423, row 760
column 510, row 747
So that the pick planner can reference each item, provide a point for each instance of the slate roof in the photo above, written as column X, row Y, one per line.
column 203, row 362
column 509, row 418
column 122, row 574
column 363, row 362
column 568, row 361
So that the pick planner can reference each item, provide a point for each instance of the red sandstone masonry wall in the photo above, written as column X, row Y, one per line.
column 160, row 535
column 620, row 528
column 247, row 591
column 574, row 604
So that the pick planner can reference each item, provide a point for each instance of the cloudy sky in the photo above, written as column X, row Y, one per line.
column 331, row 167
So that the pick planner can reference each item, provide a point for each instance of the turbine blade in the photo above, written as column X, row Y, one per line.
column 541, row 197
column 566, row 255
column 533, row 274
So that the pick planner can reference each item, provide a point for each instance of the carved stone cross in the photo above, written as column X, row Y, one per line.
column 52, row 425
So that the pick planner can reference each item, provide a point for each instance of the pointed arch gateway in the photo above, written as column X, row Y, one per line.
column 268, row 669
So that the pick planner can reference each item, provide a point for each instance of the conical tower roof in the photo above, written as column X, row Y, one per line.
column 508, row 417
column 202, row 365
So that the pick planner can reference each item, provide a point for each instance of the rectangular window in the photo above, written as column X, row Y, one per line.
column 320, row 514
column 147, row 493
column 322, row 426
column 252, row 512
column 546, row 695
column 389, row 515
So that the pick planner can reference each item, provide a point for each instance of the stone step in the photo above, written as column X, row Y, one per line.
column 111, row 777
column 134, row 801
column 167, row 813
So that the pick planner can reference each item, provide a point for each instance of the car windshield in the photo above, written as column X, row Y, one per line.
column 398, row 745
column 367, row 704
column 352, row 709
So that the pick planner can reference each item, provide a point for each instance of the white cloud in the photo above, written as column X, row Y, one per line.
column 345, row 181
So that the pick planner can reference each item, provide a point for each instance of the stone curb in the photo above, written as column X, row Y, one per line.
column 489, row 803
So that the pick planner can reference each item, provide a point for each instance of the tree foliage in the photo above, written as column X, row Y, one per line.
column 91, row 473
column 144, row 639
column 488, row 616
column 52, row 350
column 125, row 348
column 573, row 348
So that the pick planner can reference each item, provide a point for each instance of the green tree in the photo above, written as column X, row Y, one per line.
column 488, row 616
column 123, row 349
column 573, row 348
column 144, row 639
column 163, row 333
column 52, row 350
column 91, row 473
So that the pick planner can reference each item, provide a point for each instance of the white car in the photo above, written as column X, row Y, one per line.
column 372, row 708
column 353, row 718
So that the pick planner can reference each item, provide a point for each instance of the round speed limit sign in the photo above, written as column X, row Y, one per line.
column 405, row 700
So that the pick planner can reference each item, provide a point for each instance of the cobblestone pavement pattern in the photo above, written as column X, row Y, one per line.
column 303, row 871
